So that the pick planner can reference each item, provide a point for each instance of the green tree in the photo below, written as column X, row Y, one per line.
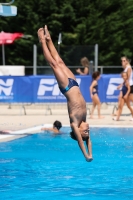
column 108, row 23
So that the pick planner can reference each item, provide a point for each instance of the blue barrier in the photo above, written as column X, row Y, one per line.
column 40, row 89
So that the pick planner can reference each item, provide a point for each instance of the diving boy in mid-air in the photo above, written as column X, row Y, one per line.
column 69, row 87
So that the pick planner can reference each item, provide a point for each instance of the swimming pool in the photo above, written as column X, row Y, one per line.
column 43, row 166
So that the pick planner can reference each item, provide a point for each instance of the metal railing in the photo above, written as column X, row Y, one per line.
column 108, row 67
column 101, row 68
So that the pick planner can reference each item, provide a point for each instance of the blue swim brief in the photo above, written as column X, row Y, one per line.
column 72, row 83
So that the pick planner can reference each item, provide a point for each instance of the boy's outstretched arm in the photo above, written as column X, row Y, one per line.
column 89, row 146
column 80, row 142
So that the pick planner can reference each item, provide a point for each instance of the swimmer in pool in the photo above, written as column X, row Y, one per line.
column 69, row 87
column 55, row 129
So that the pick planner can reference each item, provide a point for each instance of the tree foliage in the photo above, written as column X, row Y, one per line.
column 108, row 23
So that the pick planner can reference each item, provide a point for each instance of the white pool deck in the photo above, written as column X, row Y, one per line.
column 22, row 125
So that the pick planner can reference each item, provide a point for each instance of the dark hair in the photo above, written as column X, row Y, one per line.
column 57, row 124
column 74, row 138
column 95, row 75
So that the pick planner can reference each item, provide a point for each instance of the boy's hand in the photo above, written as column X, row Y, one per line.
column 89, row 158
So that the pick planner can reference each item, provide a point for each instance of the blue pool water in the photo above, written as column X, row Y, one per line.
column 43, row 166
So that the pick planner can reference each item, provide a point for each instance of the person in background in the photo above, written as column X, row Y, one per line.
column 123, row 95
column 128, row 69
column 94, row 94
column 85, row 63
column 55, row 129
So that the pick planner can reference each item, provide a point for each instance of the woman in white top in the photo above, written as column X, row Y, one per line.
column 128, row 69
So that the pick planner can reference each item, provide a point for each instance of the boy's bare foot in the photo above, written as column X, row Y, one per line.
column 47, row 34
column 41, row 35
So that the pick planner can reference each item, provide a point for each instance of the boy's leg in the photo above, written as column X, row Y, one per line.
column 56, row 56
column 59, row 74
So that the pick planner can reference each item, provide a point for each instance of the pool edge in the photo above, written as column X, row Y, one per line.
column 33, row 130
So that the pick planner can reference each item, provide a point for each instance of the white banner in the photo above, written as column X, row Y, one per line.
column 12, row 70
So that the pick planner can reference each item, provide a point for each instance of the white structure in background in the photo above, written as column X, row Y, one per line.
column 7, row 10
column 12, row 70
